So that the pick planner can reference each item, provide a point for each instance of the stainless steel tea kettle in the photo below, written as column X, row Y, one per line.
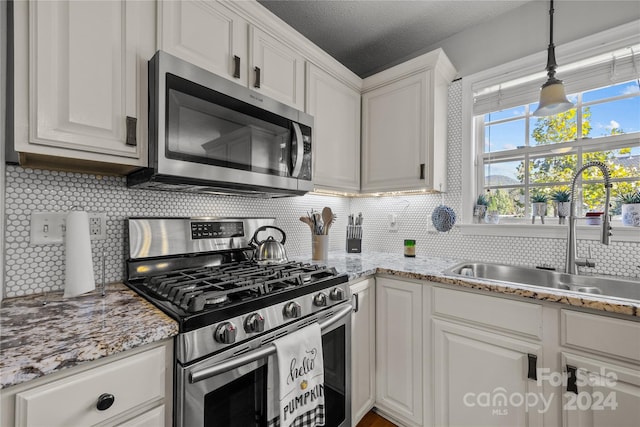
column 269, row 251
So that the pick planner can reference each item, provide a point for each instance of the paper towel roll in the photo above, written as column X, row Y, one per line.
column 79, row 277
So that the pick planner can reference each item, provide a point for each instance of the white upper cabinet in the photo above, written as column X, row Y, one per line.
column 335, row 108
column 207, row 34
column 81, row 79
column 404, row 125
column 277, row 69
column 214, row 35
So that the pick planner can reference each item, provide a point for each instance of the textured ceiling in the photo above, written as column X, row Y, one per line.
column 368, row 36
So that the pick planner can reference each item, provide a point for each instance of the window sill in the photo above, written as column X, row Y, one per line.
column 552, row 231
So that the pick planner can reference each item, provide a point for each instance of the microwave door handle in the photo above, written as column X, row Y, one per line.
column 260, row 353
column 299, row 150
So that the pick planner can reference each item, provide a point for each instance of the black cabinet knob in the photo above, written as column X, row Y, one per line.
column 105, row 401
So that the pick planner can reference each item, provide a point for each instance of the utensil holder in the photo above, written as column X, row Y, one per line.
column 319, row 246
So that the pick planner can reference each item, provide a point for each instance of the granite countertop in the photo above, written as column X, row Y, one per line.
column 433, row 269
column 37, row 339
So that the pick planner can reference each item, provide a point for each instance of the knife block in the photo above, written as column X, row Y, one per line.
column 354, row 246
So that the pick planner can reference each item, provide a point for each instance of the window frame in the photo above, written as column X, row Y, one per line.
column 529, row 152
column 579, row 50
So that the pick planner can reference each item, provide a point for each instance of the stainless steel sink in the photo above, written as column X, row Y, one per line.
column 602, row 285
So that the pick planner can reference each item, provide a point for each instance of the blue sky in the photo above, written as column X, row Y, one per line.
column 622, row 113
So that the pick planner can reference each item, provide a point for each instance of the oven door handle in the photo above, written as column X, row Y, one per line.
column 260, row 353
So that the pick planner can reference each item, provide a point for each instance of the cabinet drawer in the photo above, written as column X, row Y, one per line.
column 152, row 418
column 606, row 335
column 520, row 317
column 72, row 401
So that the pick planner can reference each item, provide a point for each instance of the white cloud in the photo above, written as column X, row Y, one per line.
column 628, row 90
column 613, row 125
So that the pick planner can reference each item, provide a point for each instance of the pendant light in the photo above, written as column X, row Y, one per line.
column 553, row 99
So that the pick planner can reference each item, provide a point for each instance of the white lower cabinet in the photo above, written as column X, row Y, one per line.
column 363, row 348
column 601, row 367
column 131, row 390
column 152, row 418
column 480, row 378
column 450, row 357
column 599, row 393
column 399, row 354
column 485, row 356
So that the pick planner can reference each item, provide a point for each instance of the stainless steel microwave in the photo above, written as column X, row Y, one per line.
column 209, row 134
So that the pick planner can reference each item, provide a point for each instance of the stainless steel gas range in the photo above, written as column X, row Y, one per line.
column 230, row 309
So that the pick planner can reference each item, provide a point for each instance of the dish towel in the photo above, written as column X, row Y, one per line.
column 300, row 378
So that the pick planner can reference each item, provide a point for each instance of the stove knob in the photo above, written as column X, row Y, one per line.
column 254, row 323
column 320, row 300
column 292, row 310
column 225, row 333
column 336, row 294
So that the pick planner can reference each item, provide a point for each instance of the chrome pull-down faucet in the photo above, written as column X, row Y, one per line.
column 571, row 266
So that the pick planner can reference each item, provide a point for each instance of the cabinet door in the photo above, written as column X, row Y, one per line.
column 399, row 358
column 335, row 108
column 276, row 70
column 599, row 393
column 394, row 135
column 481, row 378
column 87, row 64
column 207, row 34
column 363, row 348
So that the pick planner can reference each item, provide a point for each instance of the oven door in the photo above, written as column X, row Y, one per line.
column 235, row 391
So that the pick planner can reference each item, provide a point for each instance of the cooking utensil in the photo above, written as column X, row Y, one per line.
column 327, row 219
column 269, row 251
column 307, row 221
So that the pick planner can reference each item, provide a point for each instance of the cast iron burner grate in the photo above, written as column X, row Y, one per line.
column 207, row 288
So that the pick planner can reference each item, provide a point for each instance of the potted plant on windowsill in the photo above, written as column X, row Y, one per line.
column 480, row 208
column 493, row 214
column 630, row 208
column 562, row 199
column 538, row 206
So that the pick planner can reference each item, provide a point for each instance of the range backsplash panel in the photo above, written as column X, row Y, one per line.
column 34, row 269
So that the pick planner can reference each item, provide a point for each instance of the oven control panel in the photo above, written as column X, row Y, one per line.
column 216, row 230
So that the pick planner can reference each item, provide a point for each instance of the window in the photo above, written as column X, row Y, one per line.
column 519, row 155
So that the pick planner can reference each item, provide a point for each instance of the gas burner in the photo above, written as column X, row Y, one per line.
column 207, row 288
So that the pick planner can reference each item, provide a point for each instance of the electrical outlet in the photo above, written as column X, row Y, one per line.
column 48, row 228
column 393, row 223
column 98, row 225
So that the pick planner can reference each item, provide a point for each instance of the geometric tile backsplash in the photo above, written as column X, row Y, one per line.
column 34, row 269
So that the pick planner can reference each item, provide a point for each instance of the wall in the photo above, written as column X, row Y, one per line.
column 525, row 31
column 33, row 269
